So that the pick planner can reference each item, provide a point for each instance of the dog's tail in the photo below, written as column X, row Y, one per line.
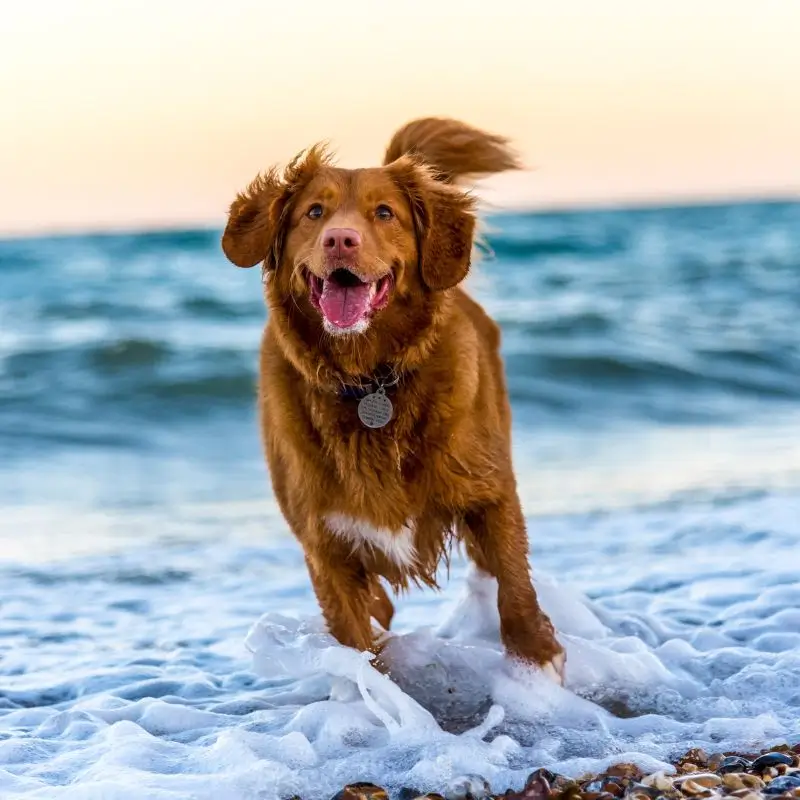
column 456, row 151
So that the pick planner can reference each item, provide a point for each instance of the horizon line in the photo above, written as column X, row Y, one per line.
column 787, row 197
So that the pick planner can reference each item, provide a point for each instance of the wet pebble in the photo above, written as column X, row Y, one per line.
column 659, row 780
column 751, row 781
column 733, row 781
column 733, row 764
column 697, row 756
column 698, row 776
column 783, row 783
column 705, row 780
column 429, row 796
column 537, row 787
column 468, row 787
column 361, row 791
column 694, row 789
column 624, row 771
column 640, row 791
column 768, row 760
column 714, row 762
column 542, row 774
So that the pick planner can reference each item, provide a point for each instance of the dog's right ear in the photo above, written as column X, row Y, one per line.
column 253, row 222
column 258, row 216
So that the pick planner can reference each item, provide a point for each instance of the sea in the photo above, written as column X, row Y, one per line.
column 158, row 634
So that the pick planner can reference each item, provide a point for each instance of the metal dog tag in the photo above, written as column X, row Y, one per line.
column 375, row 409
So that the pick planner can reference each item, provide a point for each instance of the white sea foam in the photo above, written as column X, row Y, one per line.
column 125, row 676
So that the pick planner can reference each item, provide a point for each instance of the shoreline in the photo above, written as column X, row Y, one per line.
column 769, row 773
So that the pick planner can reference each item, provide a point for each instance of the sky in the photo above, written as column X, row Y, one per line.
column 131, row 113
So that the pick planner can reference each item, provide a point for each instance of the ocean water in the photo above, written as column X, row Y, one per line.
column 158, row 635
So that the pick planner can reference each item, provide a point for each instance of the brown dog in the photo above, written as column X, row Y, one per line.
column 384, row 411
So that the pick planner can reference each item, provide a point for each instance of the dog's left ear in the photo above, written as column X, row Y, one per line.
column 444, row 217
column 446, row 241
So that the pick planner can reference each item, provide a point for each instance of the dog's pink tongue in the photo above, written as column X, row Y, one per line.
column 344, row 306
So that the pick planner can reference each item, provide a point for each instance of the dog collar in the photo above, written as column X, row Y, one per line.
column 385, row 378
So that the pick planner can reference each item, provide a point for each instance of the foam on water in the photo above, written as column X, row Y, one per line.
column 133, row 675
column 650, row 355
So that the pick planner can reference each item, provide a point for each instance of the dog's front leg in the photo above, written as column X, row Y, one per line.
column 344, row 590
column 497, row 542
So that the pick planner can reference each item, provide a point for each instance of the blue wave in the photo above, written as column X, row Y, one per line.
column 666, row 314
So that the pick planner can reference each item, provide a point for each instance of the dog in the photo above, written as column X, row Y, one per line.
column 383, row 404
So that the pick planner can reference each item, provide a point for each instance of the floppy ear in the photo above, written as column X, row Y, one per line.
column 446, row 245
column 258, row 216
column 444, row 217
column 253, row 221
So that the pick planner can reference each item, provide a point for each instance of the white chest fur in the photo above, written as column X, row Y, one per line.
column 397, row 546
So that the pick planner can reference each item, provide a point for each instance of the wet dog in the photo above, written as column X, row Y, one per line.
column 384, row 411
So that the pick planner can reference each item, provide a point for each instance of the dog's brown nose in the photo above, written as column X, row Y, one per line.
column 341, row 242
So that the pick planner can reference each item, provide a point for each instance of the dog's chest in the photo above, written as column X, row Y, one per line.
column 398, row 545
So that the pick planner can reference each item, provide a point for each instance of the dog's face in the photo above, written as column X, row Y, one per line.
column 358, row 253
column 351, row 241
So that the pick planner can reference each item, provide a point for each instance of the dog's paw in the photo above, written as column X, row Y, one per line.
column 554, row 669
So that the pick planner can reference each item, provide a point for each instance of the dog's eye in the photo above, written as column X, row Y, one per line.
column 315, row 212
column 384, row 212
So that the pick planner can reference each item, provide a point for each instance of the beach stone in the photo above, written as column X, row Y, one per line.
column 468, row 787
column 533, row 790
column 783, row 783
column 733, row 764
column 659, row 780
column 639, row 791
column 733, row 781
column 714, row 761
column 407, row 793
column 773, row 772
column 542, row 774
column 624, row 771
column 537, row 787
column 570, row 792
column 693, row 788
column 696, row 756
column 429, row 796
column 361, row 791
column 742, row 780
column 616, row 786
column 773, row 759
column 707, row 780
column 538, row 783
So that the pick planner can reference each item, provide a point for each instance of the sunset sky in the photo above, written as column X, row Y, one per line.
column 119, row 113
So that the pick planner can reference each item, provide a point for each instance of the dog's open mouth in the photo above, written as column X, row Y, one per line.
column 345, row 301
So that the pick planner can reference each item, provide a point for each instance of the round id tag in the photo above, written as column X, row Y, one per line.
column 375, row 409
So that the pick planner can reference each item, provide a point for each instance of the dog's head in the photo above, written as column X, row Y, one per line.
column 364, row 255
